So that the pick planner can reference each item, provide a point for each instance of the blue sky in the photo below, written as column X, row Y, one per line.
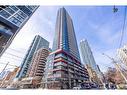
column 98, row 24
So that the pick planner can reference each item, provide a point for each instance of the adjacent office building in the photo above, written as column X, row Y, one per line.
column 37, row 44
column 63, row 67
column 88, row 58
column 12, row 19
column 122, row 54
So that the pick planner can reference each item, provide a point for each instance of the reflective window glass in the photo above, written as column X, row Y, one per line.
column 31, row 7
column 4, row 14
column 14, row 8
column 15, row 21
column 22, row 14
column 9, row 10
column 19, row 17
column 25, row 10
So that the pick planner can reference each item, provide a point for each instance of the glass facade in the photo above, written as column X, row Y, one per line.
column 64, row 34
column 37, row 43
column 17, row 14
column 5, row 34
column 63, row 68
column 25, row 10
column 87, row 56
column 13, row 18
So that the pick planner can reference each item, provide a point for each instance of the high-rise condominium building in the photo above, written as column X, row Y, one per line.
column 65, row 38
column 38, row 63
column 88, row 58
column 36, row 69
column 37, row 43
column 122, row 54
column 12, row 19
column 63, row 68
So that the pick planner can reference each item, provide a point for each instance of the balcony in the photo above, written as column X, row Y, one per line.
column 56, row 75
column 41, row 66
column 65, row 75
column 71, row 71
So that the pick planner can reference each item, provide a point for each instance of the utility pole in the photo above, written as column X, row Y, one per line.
column 4, row 67
column 117, row 66
column 5, row 75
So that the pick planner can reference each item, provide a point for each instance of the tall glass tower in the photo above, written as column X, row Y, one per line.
column 65, row 38
column 63, row 67
column 12, row 19
column 88, row 58
column 37, row 43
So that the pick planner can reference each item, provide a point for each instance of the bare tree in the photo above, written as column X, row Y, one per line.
column 111, row 74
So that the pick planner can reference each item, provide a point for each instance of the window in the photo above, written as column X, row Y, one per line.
column 25, row 10
column 4, row 14
column 22, row 14
column 58, row 63
column 59, row 67
column 9, row 10
column 49, row 79
column 31, row 7
column 19, row 17
column 60, row 55
column 15, row 21
column 57, row 79
column 69, row 59
column 14, row 8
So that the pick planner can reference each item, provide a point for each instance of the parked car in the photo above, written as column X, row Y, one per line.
column 110, row 86
column 85, row 86
column 77, row 88
column 113, row 86
column 93, row 86
column 82, row 86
